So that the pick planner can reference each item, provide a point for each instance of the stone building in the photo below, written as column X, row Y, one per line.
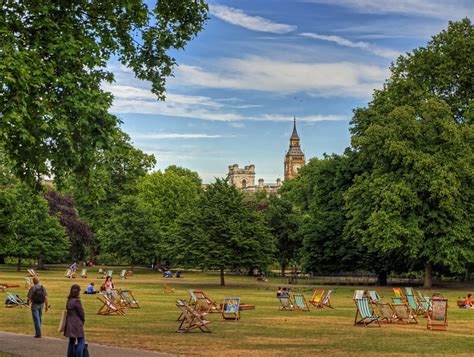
column 294, row 158
column 244, row 179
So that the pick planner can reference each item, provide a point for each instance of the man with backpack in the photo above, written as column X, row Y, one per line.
column 37, row 298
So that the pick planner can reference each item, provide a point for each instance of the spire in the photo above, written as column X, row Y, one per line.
column 294, row 135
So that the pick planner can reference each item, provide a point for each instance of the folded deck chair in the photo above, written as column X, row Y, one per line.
column 438, row 316
column 123, row 274
column 13, row 300
column 365, row 314
column 404, row 314
column 84, row 273
column 109, row 307
column 167, row 289
column 300, row 303
column 231, row 309
column 205, row 303
column 191, row 319
column 317, row 297
column 326, row 301
column 285, row 304
column 127, row 299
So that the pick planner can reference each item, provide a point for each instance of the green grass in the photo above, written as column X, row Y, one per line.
column 264, row 331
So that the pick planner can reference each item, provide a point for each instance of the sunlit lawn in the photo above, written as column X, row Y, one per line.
column 264, row 331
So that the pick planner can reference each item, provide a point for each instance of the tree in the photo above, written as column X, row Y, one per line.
column 283, row 223
column 222, row 232
column 53, row 60
column 129, row 233
column 418, row 197
column 78, row 231
column 430, row 78
column 28, row 230
column 166, row 195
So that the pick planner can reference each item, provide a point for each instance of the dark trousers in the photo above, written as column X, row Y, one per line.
column 37, row 312
column 73, row 350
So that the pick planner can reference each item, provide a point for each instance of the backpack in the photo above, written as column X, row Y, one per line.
column 38, row 296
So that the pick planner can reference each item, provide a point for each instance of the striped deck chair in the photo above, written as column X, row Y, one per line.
column 424, row 301
column 14, row 301
column 191, row 319
column 399, row 294
column 204, row 303
column 300, row 303
column 285, row 304
column 413, row 303
column 317, row 297
column 84, row 273
column 404, row 314
column 123, row 274
column 326, row 301
column 127, row 299
column 109, row 307
column 374, row 298
column 32, row 273
column 365, row 314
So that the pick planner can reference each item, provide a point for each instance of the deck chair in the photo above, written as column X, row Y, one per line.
column 32, row 273
column 127, row 299
column 10, row 285
column 109, row 273
column 358, row 294
column 109, row 307
column 14, row 301
column 438, row 317
column 167, row 289
column 399, row 294
column 415, row 305
column 424, row 301
column 123, row 274
column 300, row 303
column 404, row 314
column 28, row 282
column 204, row 303
column 68, row 273
column 374, row 298
column 365, row 314
column 231, row 309
column 285, row 304
column 397, row 300
column 317, row 297
column 84, row 273
column 386, row 312
column 192, row 297
column 191, row 319
column 326, row 301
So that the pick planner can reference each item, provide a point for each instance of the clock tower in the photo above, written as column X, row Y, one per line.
column 294, row 158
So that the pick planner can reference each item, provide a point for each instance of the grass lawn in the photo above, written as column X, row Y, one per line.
column 264, row 331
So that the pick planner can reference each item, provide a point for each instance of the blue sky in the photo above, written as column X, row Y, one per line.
column 258, row 63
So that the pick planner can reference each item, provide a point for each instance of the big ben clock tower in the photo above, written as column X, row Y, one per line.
column 294, row 158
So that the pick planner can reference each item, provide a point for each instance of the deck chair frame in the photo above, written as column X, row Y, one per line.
column 167, row 289
column 191, row 319
column 17, row 301
column 286, row 304
column 404, row 314
column 300, row 303
column 127, row 299
column 364, row 313
column 325, row 301
column 109, row 307
column 205, row 303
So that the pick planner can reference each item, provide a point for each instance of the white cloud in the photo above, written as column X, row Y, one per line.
column 256, row 23
column 150, row 136
column 341, row 41
column 283, row 77
column 452, row 9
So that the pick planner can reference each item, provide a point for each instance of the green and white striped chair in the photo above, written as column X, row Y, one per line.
column 365, row 314
column 300, row 302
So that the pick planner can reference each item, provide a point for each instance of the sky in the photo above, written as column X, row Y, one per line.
column 259, row 63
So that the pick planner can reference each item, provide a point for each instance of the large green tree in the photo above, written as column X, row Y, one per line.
column 222, row 232
column 427, row 88
column 54, row 57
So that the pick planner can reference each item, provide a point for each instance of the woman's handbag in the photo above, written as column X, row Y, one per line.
column 62, row 322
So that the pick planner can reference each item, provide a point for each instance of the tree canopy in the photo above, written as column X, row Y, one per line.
column 53, row 59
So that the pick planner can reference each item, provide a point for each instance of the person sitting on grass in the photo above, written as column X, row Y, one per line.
column 90, row 289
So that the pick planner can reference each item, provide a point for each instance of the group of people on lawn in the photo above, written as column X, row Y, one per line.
column 283, row 292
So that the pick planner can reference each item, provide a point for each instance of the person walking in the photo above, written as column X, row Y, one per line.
column 38, row 299
column 75, row 319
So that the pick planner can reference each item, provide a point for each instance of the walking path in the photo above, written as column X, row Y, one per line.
column 23, row 345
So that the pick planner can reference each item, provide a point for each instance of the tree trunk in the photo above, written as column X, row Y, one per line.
column 283, row 269
column 18, row 265
column 40, row 264
column 222, row 277
column 382, row 278
column 2, row 259
column 428, row 283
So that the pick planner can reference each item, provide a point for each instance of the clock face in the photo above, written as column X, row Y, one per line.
column 296, row 167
